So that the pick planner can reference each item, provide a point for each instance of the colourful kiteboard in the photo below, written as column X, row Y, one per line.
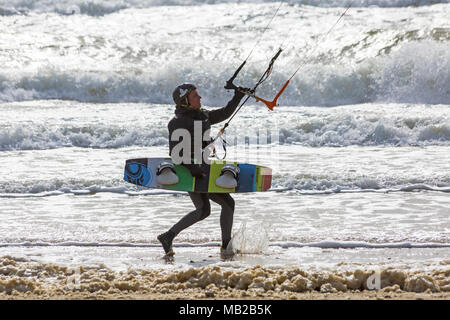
column 252, row 178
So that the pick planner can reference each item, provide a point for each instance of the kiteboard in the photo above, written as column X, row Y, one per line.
column 251, row 178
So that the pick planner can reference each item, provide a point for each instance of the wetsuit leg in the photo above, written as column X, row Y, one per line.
column 226, row 215
column 202, row 210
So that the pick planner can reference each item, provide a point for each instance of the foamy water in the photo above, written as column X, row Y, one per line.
column 359, row 145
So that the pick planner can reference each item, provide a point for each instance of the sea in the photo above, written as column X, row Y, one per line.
column 359, row 143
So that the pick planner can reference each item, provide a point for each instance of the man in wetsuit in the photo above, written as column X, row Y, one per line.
column 188, row 110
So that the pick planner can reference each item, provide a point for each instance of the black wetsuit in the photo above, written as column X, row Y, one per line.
column 184, row 119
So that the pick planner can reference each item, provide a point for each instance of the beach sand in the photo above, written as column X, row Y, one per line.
column 200, row 295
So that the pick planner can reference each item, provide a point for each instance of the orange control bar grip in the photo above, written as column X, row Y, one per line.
column 272, row 104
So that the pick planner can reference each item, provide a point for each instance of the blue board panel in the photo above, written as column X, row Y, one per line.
column 246, row 178
column 136, row 172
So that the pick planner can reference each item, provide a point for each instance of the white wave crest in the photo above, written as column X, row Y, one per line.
column 418, row 72
column 104, row 7
column 299, row 184
column 39, row 137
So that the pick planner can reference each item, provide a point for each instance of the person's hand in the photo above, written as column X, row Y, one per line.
column 196, row 171
column 240, row 91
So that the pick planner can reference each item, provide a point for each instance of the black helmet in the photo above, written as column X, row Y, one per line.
column 181, row 93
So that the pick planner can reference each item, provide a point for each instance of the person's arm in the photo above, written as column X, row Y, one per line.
column 219, row 115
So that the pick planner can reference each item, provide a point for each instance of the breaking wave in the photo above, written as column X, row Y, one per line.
column 299, row 184
column 359, row 125
column 417, row 72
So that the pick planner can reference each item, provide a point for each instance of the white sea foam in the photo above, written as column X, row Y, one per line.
column 298, row 185
column 39, row 137
column 103, row 7
column 58, row 124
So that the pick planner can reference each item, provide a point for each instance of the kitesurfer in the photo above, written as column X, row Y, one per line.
column 188, row 110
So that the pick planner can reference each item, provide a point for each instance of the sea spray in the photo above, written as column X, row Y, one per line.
column 251, row 238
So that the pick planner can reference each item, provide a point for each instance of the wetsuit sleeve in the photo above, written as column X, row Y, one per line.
column 219, row 115
column 179, row 123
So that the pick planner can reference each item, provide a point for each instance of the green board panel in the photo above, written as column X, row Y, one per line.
column 186, row 181
column 214, row 173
